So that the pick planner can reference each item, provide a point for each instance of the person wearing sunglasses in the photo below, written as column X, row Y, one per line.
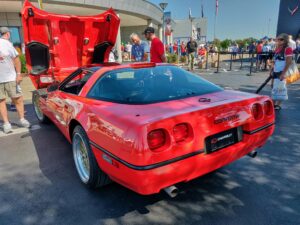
column 282, row 60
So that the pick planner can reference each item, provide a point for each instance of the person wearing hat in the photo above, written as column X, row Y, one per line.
column 157, row 50
column 10, row 78
column 282, row 60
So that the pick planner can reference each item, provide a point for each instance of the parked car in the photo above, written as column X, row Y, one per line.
column 146, row 126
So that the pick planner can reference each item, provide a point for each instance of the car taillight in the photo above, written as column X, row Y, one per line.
column 181, row 132
column 156, row 139
column 268, row 108
column 257, row 111
column 142, row 65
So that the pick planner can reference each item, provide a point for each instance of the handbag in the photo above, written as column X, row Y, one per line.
column 292, row 75
column 279, row 91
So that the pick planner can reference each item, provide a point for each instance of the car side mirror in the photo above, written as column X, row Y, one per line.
column 53, row 87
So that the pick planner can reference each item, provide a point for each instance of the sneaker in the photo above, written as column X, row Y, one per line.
column 7, row 128
column 24, row 123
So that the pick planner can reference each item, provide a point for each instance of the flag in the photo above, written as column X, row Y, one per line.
column 168, row 25
column 190, row 13
column 217, row 6
column 202, row 11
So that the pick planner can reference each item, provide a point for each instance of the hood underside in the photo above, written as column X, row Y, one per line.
column 58, row 44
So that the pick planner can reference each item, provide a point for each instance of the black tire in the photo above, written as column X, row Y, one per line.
column 38, row 112
column 96, row 177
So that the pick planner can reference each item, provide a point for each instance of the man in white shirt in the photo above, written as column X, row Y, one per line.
column 272, row 44
column 10, row 78
column 128, row 48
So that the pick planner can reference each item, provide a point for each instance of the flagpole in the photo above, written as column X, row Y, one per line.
column 215, row 27
column 215, row 22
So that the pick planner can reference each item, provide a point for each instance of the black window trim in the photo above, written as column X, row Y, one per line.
column 71, row 77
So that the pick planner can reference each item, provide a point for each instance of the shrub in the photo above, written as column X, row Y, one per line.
column 225, row 44
column 183, row 59
column 23, row 63
column 172, row 58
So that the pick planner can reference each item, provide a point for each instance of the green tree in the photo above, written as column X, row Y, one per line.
column 217, row 42
column 23, row 63
column 225, row 44
column 240, row 42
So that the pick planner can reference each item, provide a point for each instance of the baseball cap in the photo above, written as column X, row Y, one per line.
column 4, row 30
column 149, row 30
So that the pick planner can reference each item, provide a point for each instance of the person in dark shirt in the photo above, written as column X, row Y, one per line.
column 252, row 48
column 191, row 48
column 157, row 50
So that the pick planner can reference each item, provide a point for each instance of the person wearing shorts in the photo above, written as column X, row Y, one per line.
column 10, row 78
column 282, row 60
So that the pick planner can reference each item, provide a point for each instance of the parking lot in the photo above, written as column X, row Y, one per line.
column 39, row 184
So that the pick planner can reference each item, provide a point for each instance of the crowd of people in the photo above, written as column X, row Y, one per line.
column 266, row 49
column 191, row 52
column 138, row 50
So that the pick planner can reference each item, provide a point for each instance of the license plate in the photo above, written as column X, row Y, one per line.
column 224, row 139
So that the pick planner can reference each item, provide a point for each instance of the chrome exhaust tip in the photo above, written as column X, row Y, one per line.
column 172, row 191
column 252, row 154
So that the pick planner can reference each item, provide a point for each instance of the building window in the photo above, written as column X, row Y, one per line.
column 15, row 36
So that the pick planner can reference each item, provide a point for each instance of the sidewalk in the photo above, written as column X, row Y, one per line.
column 27, row 88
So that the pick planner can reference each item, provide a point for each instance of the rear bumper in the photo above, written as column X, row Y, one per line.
column 153, row 178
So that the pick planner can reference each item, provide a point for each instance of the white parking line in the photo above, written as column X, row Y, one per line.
column 20, row 130
column 35, row 127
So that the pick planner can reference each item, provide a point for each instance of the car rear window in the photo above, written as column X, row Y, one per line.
column 149, row 85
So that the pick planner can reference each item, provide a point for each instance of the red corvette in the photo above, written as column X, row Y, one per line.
column 146, row 126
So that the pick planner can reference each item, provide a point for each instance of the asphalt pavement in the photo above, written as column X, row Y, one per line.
column 39, row 184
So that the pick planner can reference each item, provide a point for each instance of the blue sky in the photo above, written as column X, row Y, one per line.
column 236, row 18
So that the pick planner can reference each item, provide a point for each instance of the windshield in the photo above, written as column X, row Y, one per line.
column 149, row 85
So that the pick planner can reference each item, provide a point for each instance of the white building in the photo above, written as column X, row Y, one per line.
column 183, row 29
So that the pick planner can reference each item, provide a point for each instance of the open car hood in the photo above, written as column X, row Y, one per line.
column 58, row 44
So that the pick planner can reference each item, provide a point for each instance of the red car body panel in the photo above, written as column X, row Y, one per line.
column 65, row 41
column 118, row 132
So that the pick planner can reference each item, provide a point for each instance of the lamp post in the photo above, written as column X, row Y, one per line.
column 163, row 6
column 192, row 19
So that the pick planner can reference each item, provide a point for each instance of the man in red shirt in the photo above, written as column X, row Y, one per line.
column 259, row 49
column 157, row 51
